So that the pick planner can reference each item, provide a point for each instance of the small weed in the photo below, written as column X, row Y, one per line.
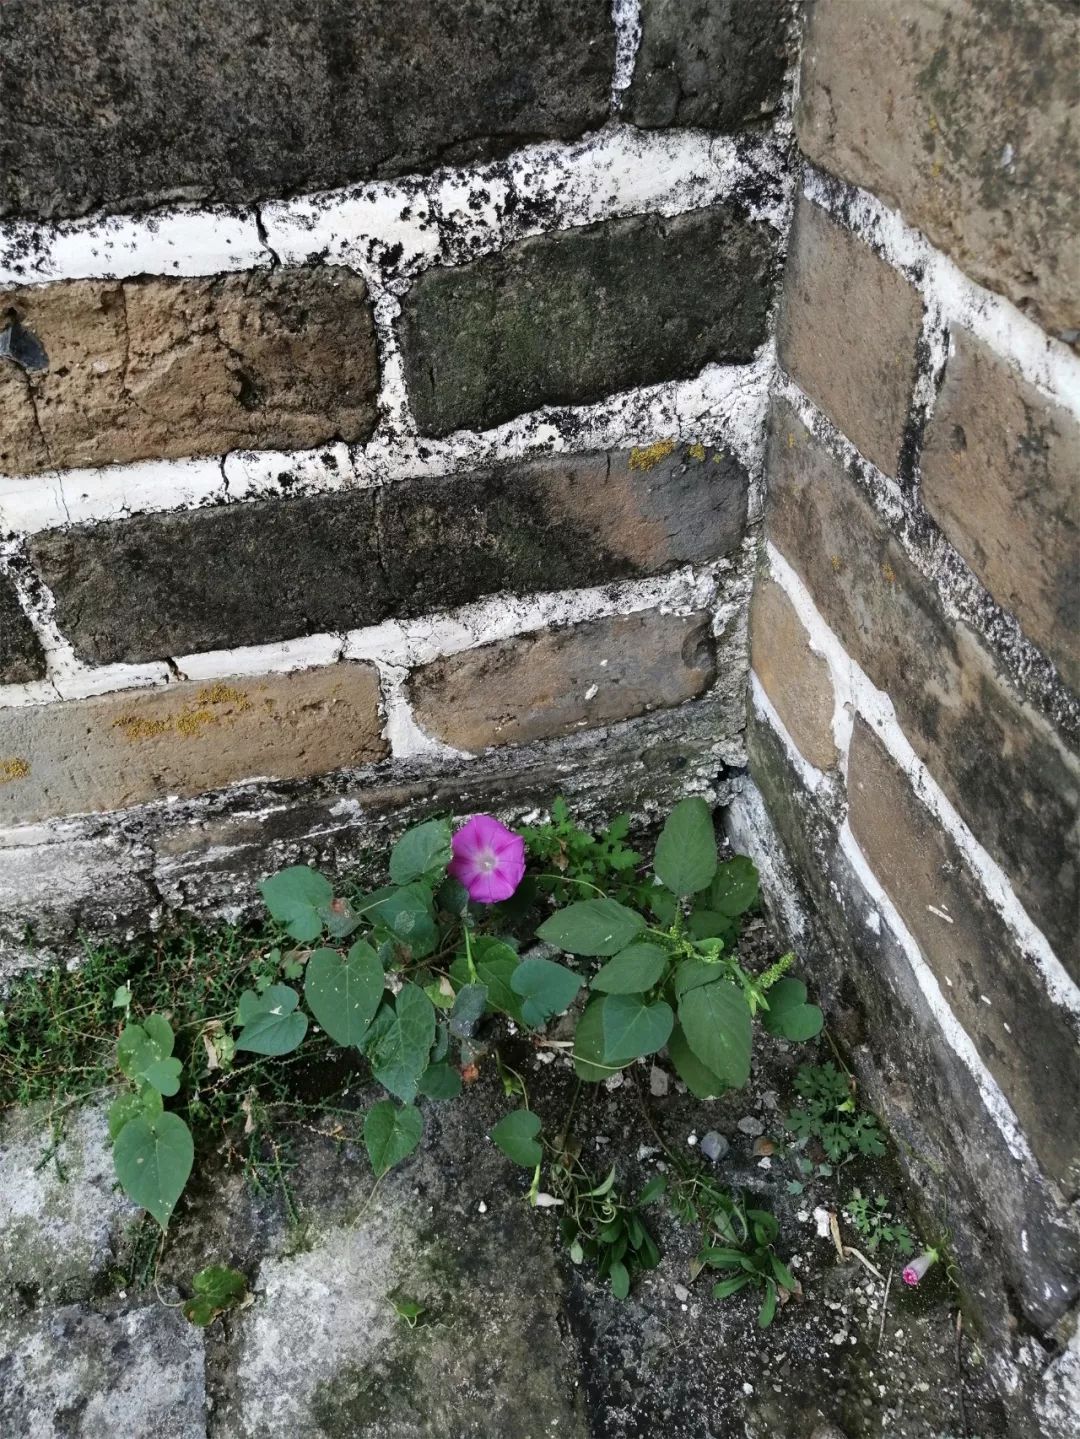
column 875, row 1224
column 828, row 1113
column 601, row 1227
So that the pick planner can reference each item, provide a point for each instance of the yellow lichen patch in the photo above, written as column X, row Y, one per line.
column 203, row 713
column 12, row 769
column 651, row 455
column 889, row 573
column 222, row 694
column 696, row 451
column 134, row 727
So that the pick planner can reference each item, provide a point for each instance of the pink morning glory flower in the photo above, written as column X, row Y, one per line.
column 489, row 859
column 914, row 1271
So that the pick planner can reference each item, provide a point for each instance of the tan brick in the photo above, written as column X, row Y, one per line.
column 962, row 115
column 1002, row 765
column 993, row 989
column 849, row 324
column 1001, row 475
column 556, row 682
column 794, row 677
column 123, row 749
column 147, row 369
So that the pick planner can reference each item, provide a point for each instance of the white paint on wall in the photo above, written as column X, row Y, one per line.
column 856, row 693
column 626, row 15
column 1044, row 362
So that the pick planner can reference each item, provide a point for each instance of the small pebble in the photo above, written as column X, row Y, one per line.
column 659, row 1083
column 748, row 1389
column 691, row 1139
column 481, row 1208
column 714, row 1146
column 614, row 1081
column 682, row 1294
column 751, row 1125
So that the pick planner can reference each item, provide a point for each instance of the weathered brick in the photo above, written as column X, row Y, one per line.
column 555, row 682
column 116, row 108
column 149, row 369
column 794, row 677
column 567, row 319
column 962, row 116
column 1001, row 475
column 122, row 749
column 848, row 328
column 711, row 64
column 21, row 655
column 1000, row 763
column 993, row 989
column 168, row 584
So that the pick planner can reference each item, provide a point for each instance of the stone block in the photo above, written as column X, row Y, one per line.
column 117, row 108
column 794, row 677
column 566, row 319
column 962, row 116
column 848, row 328
column 21, row 657
column 707, row 64
column 169, row 584
column 994, row 990
column 554, row 682
column 1001, row 475
column 1001, row 764
column 123, row 749
column 159, row 369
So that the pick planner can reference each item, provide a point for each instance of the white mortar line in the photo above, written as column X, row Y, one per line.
column 962, row 594
column 1044, row 362
column 857, row 692
column 626, row 17
column 723, row 405
column 401, row 644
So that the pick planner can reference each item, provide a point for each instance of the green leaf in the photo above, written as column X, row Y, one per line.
column 546, row 988
column 272, row 1023
column 469, row 1005
column 143, row 1053
column 153, row 1156
column 344, row 993
column 421, row 851
column 217, row 1288
column 788, row 1013
column 391, row 1134
column 294, row 898
column 515, row 1134
column 163, row 1075
column 711, row 924
column 407, row 914
column 686, row 850
column 132, row 1106
column 122, row 997
column 440, row 1081
column 400, row 1053
column 633, row 1028
column 495, row 963
column 339, row 918
column 716, row 1022
column 589, row 1062
column 735, row 887
column 632, row 971
column 783, row 1274
column 694, row 974
column 655, row 1189
column 726, row 1287
column 768, row 1306
column 592, row 927
column 620, row 1279
column 698, row 1078
column 159, row 1032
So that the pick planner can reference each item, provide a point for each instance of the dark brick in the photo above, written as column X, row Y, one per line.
column 21, row 656
column 555, row 682
column 962, row 116
column 567, row 319
column 167, row 584
column 711, row 64
column 1000, row 763
column 122, row 103
column 993, row 989
column 160, row 369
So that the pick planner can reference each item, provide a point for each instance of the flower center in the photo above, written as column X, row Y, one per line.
column 487, row 861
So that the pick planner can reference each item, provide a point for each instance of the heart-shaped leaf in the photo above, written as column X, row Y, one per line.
column 407, row 914
column 217, row 1288
column 589, row 1062
column 516, row 1137
column 592, row 927
column 419, row 851
column 788, row 1013
column 440, row 1081
column 144, row 1051
column 735, row 887
column 494, row 962
column 546, row 988
column 391, row 1134
column 633, row 1028
column 272, row 1023
column 632, row 971
column 698, row 1078
column 686, row 850
column 716, row 1021
column 153, row 1156
column 399, row 1055
column 294, row 898
column 344, row 993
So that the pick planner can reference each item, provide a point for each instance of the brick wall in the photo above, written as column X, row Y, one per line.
column 381, row 426
column 914, row 714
